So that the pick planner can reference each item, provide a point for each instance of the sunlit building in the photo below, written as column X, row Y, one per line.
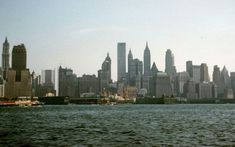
column 18, row 77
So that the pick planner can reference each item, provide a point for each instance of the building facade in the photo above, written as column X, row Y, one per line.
column 181, row 79
column 147, row 61
column 68, row 83
column 18, row 81
column 5, row 55
column 170, row 68
column 190, row 89
column 163, row 85
column 204, row 75
column 121, row 61
column 196, row 73
column 189, row 68
column 88, row 84
column 104, row 76
column 232, row 77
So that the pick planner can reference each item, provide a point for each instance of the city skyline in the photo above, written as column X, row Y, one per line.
column 58, row 33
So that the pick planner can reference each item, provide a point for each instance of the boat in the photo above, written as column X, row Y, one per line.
column 20, row 101
column 7, row 103
column 28, row 102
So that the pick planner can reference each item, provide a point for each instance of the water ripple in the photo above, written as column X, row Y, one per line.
column 121, row 125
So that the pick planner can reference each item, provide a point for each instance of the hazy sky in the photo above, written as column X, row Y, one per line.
column 79, row 33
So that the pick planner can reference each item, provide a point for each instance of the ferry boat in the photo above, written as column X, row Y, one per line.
column 20, row 101
column 7, row 103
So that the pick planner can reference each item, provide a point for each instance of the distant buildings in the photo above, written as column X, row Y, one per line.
column 181, row 79
column 121, row 61
column 204, row 90
column 190, row 89
column 88, row 85
column 140, row 80
column 48, row 82
column 68, row 83
column 232, row 77
column 163, row 85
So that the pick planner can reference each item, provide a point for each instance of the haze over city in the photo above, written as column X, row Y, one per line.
column 78, row 34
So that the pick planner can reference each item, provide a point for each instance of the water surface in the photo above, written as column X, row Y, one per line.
column 120, row 125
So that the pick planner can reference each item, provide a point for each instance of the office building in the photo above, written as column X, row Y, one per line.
column 163, row 85
column 181, row 79
column 204, row 76
column 170, row 68
column 5, row 55
column 18, row 81
column 121, row 61
column 232, row 77
column 204, row 90
column 68, row 82
column 88, row 85
column 104, row 76
column 147, row 60
column 190, row 89
column 189, row 68
column 196, row 73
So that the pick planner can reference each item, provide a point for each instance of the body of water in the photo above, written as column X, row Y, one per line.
column 119, row 125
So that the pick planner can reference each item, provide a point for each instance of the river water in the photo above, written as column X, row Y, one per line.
column 119, row 125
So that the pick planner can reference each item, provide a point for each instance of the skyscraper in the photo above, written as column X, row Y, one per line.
column 170, row 63
column 18, row 77
column 19, row 60
column 68, row 82
column 163, row 85
column 204, row 76
column 104, row 75
column 136, row 71
column 232, row 77
column 5, row 55
column 154, row 69
column 216, row 75
column 189, row 68
column 196, row 73
column 130, row 65
column 107, row 66
column 121, row 60
column 130, row 59
column 147, row 60
column 225, row 79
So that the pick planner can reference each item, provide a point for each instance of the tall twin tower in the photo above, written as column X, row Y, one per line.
column 121, row 60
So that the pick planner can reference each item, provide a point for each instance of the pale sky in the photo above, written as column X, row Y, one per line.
column 78, row 33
